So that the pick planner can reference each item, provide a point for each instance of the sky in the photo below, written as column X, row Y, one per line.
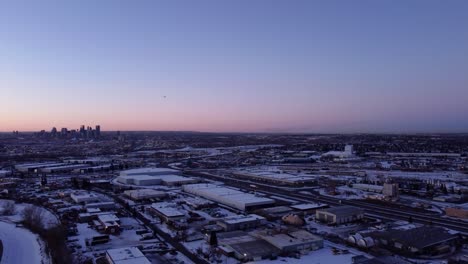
column 296, row 66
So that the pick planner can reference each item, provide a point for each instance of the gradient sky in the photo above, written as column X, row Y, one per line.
column 244, row 65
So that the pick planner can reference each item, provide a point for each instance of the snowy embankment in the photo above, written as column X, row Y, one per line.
column 21, row 246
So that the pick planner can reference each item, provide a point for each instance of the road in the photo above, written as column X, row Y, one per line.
column 19, row 245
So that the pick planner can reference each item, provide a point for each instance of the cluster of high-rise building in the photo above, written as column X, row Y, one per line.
column 83, row 132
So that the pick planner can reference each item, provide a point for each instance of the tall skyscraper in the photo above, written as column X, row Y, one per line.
column 98, row 131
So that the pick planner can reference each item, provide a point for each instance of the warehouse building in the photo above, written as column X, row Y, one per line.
column 143, row 194
column 296, row 241
column 241, row 222
column 84, row 197
column 230, row 197
column 166, row 211
column 34, row 167
column 245, row 247
column 276, row 177
column 339, row 215
column 149, row 171
column 423, row 240
column 126, row 255
column 148, row 180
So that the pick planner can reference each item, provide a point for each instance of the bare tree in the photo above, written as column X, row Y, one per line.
column 33, row 216
column 8, row 208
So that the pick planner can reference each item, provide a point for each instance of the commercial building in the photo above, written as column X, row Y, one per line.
column 390, row 190
column 245, row 247
column 166, row 211
column 339, row 215
column 129, row 255
column 84, row 197
column 423, row 240
column 34, row 167
column 140, row 180
column 308, row 208
column 241, row 222
column 296, row 241
column 143, row 194
column 227, row 196
column 149, row 171
column 148, row 180
column 276, row 177
column 109, row 223
column 368, row 187
column 63, row 168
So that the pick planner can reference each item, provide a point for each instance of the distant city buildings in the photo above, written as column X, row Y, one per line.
column 83, row 133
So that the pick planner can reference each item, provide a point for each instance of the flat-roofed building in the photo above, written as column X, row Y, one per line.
column 143, row 194
column 110, row 223
column 227, row 196
column 129, row 255
column 166, row 211
column 241, row 222
column 299, row 240
column 149, row 171
column 245, row 247
column 340, row 214
column 84, row 197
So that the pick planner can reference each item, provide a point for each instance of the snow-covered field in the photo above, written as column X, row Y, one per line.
column 21, row 246
column 50, row 220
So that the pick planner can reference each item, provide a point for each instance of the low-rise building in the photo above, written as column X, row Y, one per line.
column 241, row 222
column 126, row 256
column 423, row 240
column 339, row 215
column 166, row 211
column 84, row 197
column 143, row 194
column 296, row 241
column 110, row 223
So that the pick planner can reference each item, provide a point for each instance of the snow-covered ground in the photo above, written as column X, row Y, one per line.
column 21, row 246
column 50, row 220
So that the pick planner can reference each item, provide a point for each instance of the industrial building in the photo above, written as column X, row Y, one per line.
column 241, row 222
column 368, row 187
column 227, row 196
column 143, row 194
column 63, row 168
column 147, row 180
column 339, row 215
column 166, row 211
column 109, row 223
column 390, row 190
column 425, row 240
column 84, row 197
column 126, row 255
column 296, row 241
column 245, row 247
column 34, row 167
column 149, row 171
column 276, row 177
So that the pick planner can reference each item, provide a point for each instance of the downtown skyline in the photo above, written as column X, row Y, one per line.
column 243, row 66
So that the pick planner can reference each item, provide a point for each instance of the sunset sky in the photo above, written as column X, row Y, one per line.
column 235, row 66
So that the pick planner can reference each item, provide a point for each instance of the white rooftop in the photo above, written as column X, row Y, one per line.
column 130, row 255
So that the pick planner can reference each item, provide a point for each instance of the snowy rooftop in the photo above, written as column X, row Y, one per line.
column 130, row 255
column 166, row 209
column 307, row 206
column 242, row 218
column 147, row 171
